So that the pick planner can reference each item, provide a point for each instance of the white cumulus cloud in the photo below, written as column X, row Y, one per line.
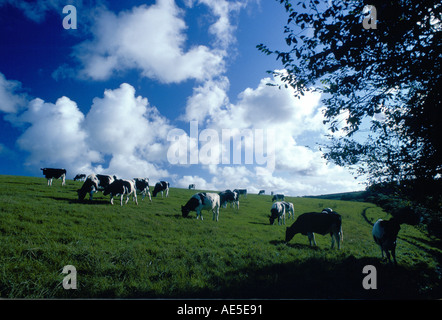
column 151, row 39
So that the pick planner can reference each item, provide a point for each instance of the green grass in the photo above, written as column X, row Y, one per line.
column 151, row 251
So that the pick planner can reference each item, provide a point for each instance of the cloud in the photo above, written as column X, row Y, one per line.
column 11, row 100
column 55, row 135
column 120, row 127
column 222, row 28
column 150, row 39
column 125, row 126
column 298, row 169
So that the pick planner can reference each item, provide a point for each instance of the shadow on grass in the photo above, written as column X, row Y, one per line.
column 317, row 278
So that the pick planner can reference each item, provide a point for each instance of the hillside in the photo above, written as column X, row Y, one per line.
column 151, row 251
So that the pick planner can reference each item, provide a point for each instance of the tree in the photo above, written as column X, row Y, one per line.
column 388, row 77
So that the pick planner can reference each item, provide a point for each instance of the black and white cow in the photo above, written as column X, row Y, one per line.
column 241, row 192
column 261, row 192
column 142, row 185
column 192, row 186
column 105, row 180
column 160, row 187
column 316, row 222
column 278, row 197
column 94, row 183
column 385, row 234
column 277, row 212
column 121, row 187
column 51, row 173
column 202, row 201
column 289, row 209
column 80, row 176
column 229, row 196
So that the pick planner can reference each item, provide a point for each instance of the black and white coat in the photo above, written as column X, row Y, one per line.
column 202, row 201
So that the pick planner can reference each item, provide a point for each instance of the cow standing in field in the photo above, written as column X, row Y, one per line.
column 316, row 222
column 278, row 197
column 277, row 212
column 51, row 173
column 289, row 209
column 241, row 192
column 80, row 176
column 94, row 183
column 228, row 196
column 120, row 188
column 142, row 185
column 385, row 234
column 160, row 187
column 202, row 201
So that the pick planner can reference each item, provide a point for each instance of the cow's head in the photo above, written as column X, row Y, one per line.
column 184, row 211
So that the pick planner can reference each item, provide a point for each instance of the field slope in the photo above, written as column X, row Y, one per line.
column 151, row 251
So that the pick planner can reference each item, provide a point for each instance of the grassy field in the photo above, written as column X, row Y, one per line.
column 151, row 251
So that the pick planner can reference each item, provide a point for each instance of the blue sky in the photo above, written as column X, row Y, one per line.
column 104, row 97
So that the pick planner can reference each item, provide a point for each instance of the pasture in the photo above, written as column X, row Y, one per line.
column 151, row 251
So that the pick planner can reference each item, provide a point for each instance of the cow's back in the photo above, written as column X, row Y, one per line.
column 318, row 222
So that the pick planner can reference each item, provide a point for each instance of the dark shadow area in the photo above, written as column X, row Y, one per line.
column 364, row 215
column 319, row 278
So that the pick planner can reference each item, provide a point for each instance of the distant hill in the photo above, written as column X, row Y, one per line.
column 346, row 196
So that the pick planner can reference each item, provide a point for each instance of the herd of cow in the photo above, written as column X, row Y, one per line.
column 326, row 222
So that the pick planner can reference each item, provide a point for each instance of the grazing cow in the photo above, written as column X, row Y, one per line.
column 261, row 192
column 315, row 222
column 121, row 187
column 94, row 183
column 241, row 192
column 105, row 180
column 142, row 185
column 277, row 212
column 192, row 186
column 230, row 197
column 160, row 187
column 80, row 176
column 289, row 208
column 278, row 197
column 202, row 201
column 51, row 173
column 385, row 234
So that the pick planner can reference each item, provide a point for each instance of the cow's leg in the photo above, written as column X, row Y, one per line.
column 215, row 213
column 393, row 253
column 167, row 193
column 150, row 197
column 388, row 255
column 135, row 198
column 111, row 199
column 311, row 238
column 333, row 240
